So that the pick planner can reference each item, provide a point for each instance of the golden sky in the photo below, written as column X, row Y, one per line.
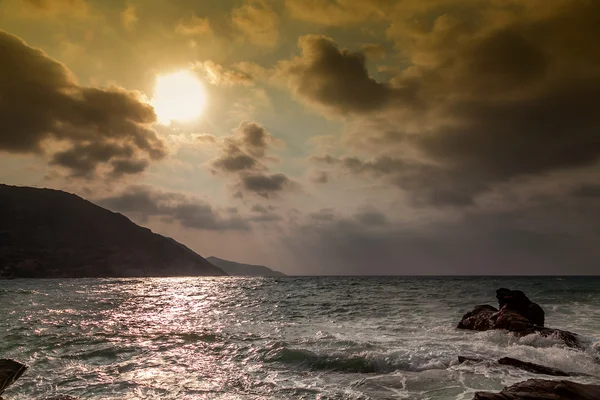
column 318, row 136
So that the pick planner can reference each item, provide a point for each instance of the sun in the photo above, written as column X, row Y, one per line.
column 179, row 96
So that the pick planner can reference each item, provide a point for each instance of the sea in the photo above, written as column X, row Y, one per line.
column 282, row 338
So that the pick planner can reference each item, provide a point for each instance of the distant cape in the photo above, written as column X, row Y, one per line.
column 239, row 269
column 47, row 233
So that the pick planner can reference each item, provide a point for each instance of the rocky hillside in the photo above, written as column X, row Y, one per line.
column 48, row 233
column 238, row 269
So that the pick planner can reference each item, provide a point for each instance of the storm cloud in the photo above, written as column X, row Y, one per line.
column 488, row 103
column 336, row 79
column 190, row 212
column 243, row 156
column 43, row 108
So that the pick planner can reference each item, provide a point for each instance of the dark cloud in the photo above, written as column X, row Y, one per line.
column 254, row 138
column 128, row 166
column 243, row 156
column 587, row 191
column 371, row 217
column 525, row 241
column 146, row 202
column 83, row 159
column 378, row 166
column 489, row 102
column 245, row 149
column 320, row 177
column 265, row 185
column 260, row 209
column 41, row 104
column 264, row 214
column 326, row 76
column 235, row 161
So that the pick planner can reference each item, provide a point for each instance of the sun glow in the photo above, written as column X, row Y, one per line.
column 179, row 96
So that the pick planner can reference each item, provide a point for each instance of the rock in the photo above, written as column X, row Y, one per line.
column 517, row 314
column 532, row 367
column 10, row 371
column 540, row 389
column 516, row 300
column 480, row 319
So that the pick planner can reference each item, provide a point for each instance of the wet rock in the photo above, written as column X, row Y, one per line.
column 517, row 314
column 517, row 301
column 480, row 319
column 532, row 367
column 10, row 371
column 540, row 389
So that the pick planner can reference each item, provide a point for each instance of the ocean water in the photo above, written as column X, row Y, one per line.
column 280, row 338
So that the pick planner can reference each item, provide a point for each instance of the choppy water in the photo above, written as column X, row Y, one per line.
column 296, row 338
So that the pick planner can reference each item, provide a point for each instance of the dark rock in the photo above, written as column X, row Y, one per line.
column 480, row 319
column 539, row 389
column 517, row 314
column 10, row 371
column 462, row 359
column 532, row 367
column 516, row 300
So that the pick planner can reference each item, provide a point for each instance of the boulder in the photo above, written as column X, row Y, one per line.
column 517, row 314
column 540, row 389
column 480, row 319
column 517, row 301
column 10, row 371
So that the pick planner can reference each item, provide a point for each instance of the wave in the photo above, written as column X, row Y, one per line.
column 363, row 362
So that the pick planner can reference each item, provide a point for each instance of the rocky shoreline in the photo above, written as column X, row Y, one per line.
column 520, row 316
column 517, row 315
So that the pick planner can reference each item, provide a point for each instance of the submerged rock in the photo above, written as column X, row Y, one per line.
column 523, row 365
column 532, row 367
column 517, row 314
column 10, row 371
column 480, row 319
column 540, row 389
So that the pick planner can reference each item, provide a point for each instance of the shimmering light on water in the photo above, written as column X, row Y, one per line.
column 255, row 338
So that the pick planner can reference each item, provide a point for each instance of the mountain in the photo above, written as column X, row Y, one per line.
column 47, row 233
column 238, row 269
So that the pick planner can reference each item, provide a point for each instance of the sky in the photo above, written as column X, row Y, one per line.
column 337, row 137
